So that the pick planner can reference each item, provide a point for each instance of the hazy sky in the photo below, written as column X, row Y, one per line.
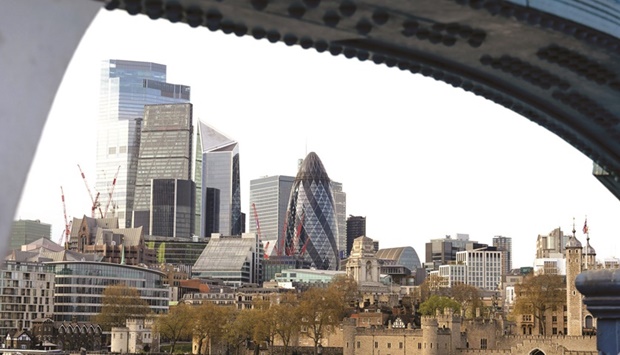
column 417, row 157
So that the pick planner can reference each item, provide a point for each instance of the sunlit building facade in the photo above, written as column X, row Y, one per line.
column 220, row 170
column 125, row 87
column 80, row 284
column 311, row 227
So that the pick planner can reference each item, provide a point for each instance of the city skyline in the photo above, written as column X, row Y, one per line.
column 443, row 161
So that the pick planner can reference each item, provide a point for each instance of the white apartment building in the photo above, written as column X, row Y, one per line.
column 26, row 293
column 483, row 268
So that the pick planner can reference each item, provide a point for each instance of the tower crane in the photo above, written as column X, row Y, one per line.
column 95, row 200
column 107, row 206
column 258, row 229
column 67, row 233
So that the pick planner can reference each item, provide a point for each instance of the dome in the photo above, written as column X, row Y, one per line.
column 312, row 169
column 573, row 242
column 589, row 250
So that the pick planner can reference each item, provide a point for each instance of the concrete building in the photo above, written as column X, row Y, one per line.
column 551, row 245
column 102, row 237
column 26, row 293
column 125, row 87
column 25, row 231
column 138, row 336
column 237, row 260
column 356, row 227
column 442, row 251
column 504, row 244
column 483, row 268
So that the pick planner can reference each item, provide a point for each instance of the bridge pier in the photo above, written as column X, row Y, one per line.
column 601, row 289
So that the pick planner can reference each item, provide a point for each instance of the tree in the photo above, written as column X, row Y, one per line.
column 434, row 303
column 346, row 287
column 119, row 303
column 208, row 323
column 320, row 310
column 537, row 294
column 433, row 285
column 469, row 298
column 287, row 321
column 175, row 325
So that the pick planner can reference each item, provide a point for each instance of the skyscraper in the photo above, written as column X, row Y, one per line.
column 356, row 227
column 270, row 196
column 504, row 244
column 166, row 152
column 125, row 87
column 311, row 226
column 220, row 170
column 25, row 231
column 340, row 200
column 172, row 208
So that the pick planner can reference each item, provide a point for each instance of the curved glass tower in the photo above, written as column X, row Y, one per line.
column 311, row 228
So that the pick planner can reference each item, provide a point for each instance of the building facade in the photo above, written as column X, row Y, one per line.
column 356, row 227
column 166, row 153
column 26, row 231
column 237, row 260
column 340, row 201
column 79, row 287
column 504, row 244
column 125, row 87
column 483, row 268
column 220, row 170
column 311, row 227
column 26, row 293
column 269, row 196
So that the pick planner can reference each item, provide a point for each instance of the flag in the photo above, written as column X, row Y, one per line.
column 585, row 227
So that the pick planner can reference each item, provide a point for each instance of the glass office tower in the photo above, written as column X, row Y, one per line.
column 270, row 196
column 220, row 170
column 311, row 225
column 166, row 152
column 126, row 86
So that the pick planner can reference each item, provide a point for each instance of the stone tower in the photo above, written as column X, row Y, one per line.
column 574, row 265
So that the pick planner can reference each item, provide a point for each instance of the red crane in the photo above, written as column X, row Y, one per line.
column 95, row 200
column 258, row 229
column 67, row 233
column 107, row 206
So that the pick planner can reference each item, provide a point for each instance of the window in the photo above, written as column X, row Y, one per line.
column 419, row 345
column 483, row 343
column 358, row 344
column 400, row 345
column 376, row 344
column 389, row 345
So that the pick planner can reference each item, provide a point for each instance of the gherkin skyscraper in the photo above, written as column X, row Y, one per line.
column 311, row 228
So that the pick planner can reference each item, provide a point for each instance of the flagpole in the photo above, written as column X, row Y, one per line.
column 587, row 232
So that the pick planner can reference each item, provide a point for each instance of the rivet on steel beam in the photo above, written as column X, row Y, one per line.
column 380, row 17
column 154, row 9
column 259, row 5
column 312, row 3
column 363, row 26
column 347, row 8
column 331, row 18
column 296, row 10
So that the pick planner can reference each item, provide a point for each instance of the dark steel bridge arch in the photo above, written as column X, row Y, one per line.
column 556, row 63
